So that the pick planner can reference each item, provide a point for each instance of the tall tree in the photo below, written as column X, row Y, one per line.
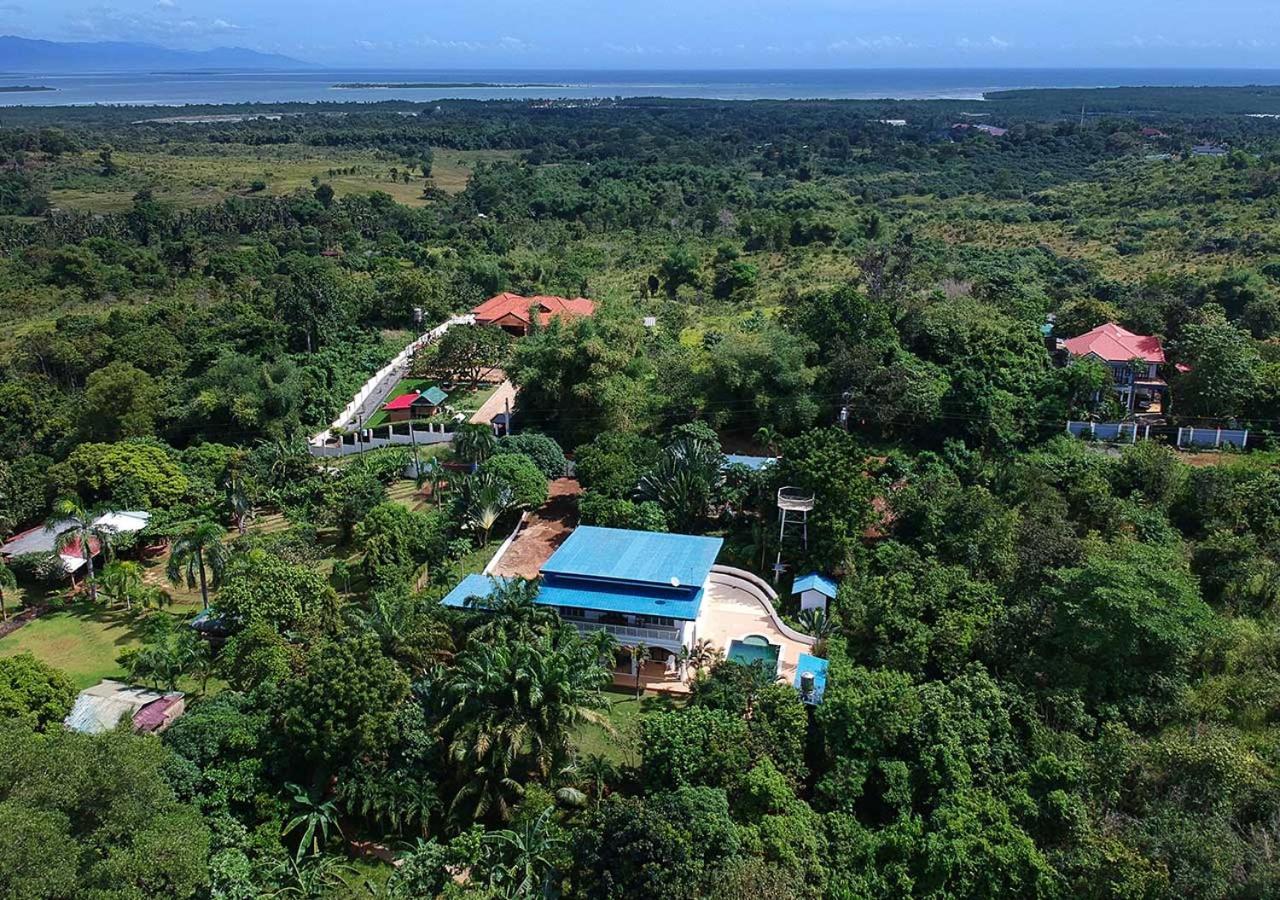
column 199, row 556
column 78, row 527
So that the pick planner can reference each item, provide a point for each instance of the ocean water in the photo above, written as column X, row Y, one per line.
column 181, row 88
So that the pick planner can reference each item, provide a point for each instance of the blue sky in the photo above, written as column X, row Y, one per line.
column 685, row 33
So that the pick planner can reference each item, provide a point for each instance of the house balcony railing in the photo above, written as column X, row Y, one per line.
column 627, row 633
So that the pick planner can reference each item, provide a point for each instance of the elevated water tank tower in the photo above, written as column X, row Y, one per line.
column 794, row 506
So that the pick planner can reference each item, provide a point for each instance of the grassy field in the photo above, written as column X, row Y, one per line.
column 191, row 176
column 621, row 745
column 83, row 640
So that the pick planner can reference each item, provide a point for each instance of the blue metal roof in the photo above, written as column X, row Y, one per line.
column 755, row 463
column 815, row 582
column 818, row 667
column 637, row 557
column 634, row 600
column 471, row 586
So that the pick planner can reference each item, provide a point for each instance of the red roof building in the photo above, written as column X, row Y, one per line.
column 1134, row 361
column 1113, row 344
column 512, row 312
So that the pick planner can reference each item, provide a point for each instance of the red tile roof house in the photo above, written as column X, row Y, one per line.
column 1134, row 360
column 415, row 405
column 514, row 313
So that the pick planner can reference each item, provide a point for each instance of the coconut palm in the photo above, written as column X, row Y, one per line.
column 474, row 442
column 640, row 654
column 313, row 818
column 526, row 857
column 7, row 580
column 199, row 556
column 78, row 526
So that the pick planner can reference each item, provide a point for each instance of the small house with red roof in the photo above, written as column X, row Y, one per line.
column 415, row 405
column 515, row 314
column 1134, row 361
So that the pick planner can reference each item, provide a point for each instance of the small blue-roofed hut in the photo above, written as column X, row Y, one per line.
column 814, row 591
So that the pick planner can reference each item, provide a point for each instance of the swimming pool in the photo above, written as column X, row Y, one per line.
column 754, row 649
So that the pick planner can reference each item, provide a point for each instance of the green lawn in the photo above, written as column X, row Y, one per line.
column 622, row 746
column 464, row 401
column 82, row 640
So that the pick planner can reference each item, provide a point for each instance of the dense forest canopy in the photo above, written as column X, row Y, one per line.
column 1052, row 662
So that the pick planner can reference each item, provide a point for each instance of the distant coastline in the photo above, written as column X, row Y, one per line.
column 432, row 85
column 23, row 88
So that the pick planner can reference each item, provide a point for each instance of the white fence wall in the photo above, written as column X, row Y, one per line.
column 377, row 381
column 350, row 445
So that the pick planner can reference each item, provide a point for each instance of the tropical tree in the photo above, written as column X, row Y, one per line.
column 701, row 656
column 77, row 526
column 596, row 773
column 768, row 437
column 512, row 706
column 7, row 580
column 817, row 623
column 526, row 857
column 199, row 556
column 121, row 582
column 640, row 654
column 313, row 819
column 474, row 442
column 488, row 501
column 239, row 504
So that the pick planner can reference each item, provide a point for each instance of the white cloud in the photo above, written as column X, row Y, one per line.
column 105, row 22
column 991, row 42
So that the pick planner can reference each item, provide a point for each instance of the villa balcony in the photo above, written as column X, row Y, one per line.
column 626, row 634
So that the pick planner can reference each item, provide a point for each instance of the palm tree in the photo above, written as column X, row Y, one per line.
column 768, row 437
column 121, row 582
column 527, row 857
column 701, row 656
column 238, row 503
column 488, row 502
column 640, row 655
column 817, row 623
column 513, row 705
column 512, row 610
column 7, row 580
column 431, row 472
column 77, row 525
column 200, row 555
column 314, row 877
column 314, row 817
column 596, row 773
column 474, row 442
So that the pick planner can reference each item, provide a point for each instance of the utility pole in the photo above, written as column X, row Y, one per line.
column 507, row 404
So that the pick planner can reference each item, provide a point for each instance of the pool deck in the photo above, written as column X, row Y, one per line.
column 733, row 611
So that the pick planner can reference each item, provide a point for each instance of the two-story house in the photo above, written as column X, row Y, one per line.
column 1134, row 361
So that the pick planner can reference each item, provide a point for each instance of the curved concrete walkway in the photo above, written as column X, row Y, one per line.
column 736, row 606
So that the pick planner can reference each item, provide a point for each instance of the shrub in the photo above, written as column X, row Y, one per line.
column 521, row 474
column 545, row 452
column 597, row 509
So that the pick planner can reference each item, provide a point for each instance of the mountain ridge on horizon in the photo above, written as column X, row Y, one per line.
column 35, row 56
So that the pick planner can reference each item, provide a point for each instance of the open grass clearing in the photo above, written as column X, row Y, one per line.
column 620, row 742
column 190, row 175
